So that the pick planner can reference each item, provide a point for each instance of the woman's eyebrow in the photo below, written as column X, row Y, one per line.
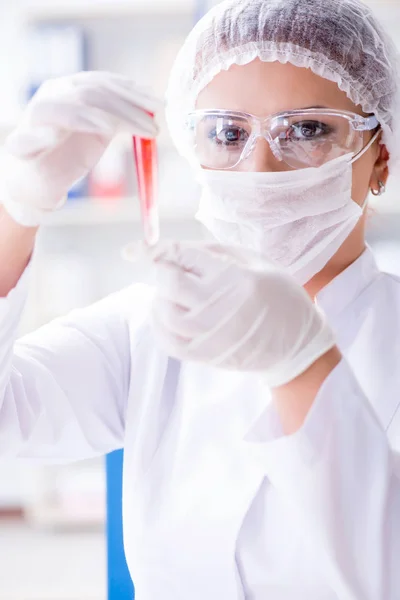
column 310, row 107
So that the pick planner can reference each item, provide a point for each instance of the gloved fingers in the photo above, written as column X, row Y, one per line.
column 205, row 320
column 126, row 109
column 191, row 257
column 114, row 104
column 180, row 286
column 209, row 259
column 30, row 139
column 205, row 307
column 198, row 258
column 67, row 115
column 223, row 345
column 250, row 346
column 199, row 281
column 220, row 306
column 186, row 285
column 52, row 150
column 92, row 119
column 217, row 321
column 140, row 95
column 131, row 94
column 28, row 142
column 175, row 319
column 75, row 87
column 139, row 124
column 37, row 143
column 174, row 345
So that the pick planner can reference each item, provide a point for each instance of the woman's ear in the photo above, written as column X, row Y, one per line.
column 380, row 171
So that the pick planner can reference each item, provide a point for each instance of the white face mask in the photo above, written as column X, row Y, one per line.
column 297, row 219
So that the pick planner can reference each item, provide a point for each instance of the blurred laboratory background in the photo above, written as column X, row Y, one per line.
column 52, row 541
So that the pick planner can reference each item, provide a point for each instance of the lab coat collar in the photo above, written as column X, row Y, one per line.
column 341, row 291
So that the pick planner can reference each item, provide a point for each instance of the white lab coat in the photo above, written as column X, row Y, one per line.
column 204, row 454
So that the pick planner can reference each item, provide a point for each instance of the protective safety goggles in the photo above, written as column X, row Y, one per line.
column 222, row 139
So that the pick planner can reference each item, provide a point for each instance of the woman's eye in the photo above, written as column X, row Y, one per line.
column 308, row 130
column 229, row 136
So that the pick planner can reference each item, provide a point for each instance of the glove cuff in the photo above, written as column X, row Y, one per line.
column 25, row 216
column 288, row 370
column 21, row 190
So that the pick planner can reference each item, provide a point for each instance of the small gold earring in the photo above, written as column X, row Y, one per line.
column 381, row 191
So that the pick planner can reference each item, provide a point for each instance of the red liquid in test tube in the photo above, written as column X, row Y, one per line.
column 146, row 161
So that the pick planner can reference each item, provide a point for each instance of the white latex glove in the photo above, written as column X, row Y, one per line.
column 63, row 133
column 227, row 307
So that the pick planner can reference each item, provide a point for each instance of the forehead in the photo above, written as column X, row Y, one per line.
column 262, row 88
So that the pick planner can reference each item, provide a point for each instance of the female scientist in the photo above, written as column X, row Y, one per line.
column 256, row 388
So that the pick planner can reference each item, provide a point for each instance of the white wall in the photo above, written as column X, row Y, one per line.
column 12, row 64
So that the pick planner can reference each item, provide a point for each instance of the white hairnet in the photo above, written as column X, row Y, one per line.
column 339, row 40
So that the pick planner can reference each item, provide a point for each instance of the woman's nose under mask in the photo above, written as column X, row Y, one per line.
column 296, row 219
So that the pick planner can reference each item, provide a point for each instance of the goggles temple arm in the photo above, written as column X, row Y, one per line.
column 367, row 147
column 371, row 123
column 367, row 124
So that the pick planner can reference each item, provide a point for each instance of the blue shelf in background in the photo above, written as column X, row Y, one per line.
column 120, row 585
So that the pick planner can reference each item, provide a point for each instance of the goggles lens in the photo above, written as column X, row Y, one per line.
column 221, row 140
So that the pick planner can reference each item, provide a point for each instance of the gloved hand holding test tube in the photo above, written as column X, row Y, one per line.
column 146, row 161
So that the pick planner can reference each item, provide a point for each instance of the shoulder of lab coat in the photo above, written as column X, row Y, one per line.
column 340, row 472
column 63, row 388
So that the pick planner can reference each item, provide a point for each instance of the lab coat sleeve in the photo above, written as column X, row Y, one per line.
column 341, row 478
column 63, row 388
